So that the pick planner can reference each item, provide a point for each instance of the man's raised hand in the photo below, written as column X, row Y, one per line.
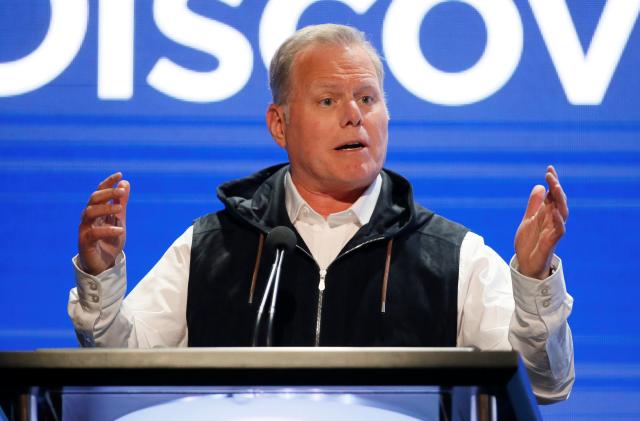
column 102, row 231
column 542, row 227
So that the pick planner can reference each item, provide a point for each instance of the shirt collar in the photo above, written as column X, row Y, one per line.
column 359, row 213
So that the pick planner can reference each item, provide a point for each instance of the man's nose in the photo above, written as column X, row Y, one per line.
column 352, row 115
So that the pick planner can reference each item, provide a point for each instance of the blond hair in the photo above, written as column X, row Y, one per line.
column 282, row 62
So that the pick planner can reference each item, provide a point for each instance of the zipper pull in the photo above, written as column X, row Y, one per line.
column 323, row 274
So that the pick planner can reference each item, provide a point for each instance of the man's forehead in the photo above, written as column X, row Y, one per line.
column 331, row 65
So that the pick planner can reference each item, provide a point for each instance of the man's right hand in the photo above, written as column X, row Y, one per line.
column 102, row 231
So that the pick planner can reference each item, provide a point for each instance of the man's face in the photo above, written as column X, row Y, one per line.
column 336, row 135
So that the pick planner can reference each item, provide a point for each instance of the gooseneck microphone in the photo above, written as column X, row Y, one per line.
column 280, row 239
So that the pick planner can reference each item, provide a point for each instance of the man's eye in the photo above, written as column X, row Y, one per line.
column 326, row 102
column 367, row 99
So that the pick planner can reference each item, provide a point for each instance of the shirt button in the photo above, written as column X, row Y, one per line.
column 95, row 298
column 545, row 291
column 93, row 286
column 546, row 303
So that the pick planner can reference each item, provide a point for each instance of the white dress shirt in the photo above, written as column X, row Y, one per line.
column 325, row 238
column 498, row 308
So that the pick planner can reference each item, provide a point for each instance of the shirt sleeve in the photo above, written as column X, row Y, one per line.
column 501, row 309
column 152, row 315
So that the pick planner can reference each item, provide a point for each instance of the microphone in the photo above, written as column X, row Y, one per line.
column 280, row 239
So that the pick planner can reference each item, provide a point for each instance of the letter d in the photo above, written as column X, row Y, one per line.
column 54, row 54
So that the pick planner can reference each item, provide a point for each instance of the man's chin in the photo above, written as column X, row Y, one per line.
column 359, row 180
column 340, row 180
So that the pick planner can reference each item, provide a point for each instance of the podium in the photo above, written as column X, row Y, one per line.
column 265, row 383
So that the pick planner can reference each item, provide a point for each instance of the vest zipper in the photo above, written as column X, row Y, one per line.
column 322, row 285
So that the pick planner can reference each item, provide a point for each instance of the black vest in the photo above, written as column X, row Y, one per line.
column 421, row 293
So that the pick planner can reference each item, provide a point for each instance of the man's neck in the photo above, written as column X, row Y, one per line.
column 326, row 203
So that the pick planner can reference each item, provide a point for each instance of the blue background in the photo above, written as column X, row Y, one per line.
column 475, row 164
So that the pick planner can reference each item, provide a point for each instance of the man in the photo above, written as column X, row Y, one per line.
column 370, row 268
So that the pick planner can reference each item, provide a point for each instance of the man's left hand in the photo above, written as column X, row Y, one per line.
column 541, row 228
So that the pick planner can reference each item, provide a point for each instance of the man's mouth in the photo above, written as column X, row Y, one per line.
column 350, row 146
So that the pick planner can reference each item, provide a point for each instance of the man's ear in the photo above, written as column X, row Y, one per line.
column 276, row 124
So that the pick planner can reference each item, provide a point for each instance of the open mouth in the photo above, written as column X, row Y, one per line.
column 350, row 146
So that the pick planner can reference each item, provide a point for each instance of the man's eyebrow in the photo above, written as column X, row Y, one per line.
column 366, row 86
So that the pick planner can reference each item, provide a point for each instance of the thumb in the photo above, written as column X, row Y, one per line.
column 535, row 201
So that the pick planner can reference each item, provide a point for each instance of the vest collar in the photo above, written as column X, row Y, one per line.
column 259, row 200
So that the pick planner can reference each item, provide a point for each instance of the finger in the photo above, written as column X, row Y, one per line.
column 556, row 193
column 535, row 201
column 551, row 179
column 95, row 211
column 560, row 199
column 103, row 196
column 125, row 188
column 552, row 182
column 102, row 233
column 559, row 227
column 553, row 171
column 110, row 181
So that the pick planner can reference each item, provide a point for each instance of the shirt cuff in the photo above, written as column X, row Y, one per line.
column 539, row 296
column 99, row 291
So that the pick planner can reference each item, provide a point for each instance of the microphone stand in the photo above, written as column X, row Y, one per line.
column 272, row 310
column 274, row 268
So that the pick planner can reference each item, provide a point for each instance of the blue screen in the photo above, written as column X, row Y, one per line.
column 482, row 96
